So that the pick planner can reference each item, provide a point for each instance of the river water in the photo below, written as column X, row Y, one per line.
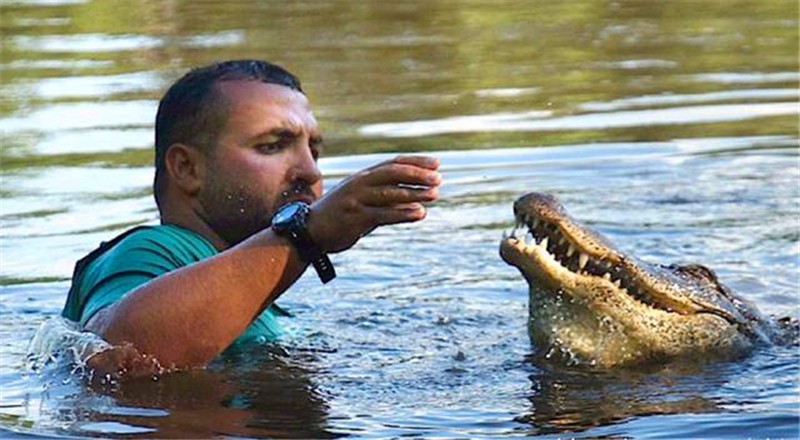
column 669, row 126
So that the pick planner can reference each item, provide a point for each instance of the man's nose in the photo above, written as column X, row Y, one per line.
column 306, row 168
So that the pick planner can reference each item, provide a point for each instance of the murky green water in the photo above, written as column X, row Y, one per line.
column 670, row 126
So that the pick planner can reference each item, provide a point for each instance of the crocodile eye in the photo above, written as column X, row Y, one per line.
column 697, row 271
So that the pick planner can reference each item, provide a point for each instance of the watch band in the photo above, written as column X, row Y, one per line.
column 290, row 222
column 310, row 253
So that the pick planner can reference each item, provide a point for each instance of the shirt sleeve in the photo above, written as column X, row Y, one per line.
column 137, row 259
column 128, row 265
column 111, row 290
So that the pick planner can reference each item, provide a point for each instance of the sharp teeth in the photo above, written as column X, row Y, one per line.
column 543, row 244
column 582, row 260
column 534, row 223
column 561, row 240
column 571, row 250
column 607, row 276
column 618, row 283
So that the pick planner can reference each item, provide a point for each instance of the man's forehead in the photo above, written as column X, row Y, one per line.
column 249, row 91
column 278, row 105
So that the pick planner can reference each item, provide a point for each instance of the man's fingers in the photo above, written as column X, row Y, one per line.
column 392, row 173
column 392, row 195
column 427, row 162
column 403, row 213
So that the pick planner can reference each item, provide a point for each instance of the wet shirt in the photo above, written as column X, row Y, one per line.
column 136, row 257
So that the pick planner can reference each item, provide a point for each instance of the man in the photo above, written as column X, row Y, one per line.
column 235, row 143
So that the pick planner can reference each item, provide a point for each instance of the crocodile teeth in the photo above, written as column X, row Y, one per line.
column 582, row 260
column 618, row 283
column 607, row 276
column 562, row 240
column 571, row 250
column 543, row 244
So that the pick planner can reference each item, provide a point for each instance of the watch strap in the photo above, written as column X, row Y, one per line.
column 294, row 229
column 310, row 253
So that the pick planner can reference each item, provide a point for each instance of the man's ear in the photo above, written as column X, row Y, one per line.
column 186, row 167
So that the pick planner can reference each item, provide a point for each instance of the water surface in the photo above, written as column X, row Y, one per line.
column 669, row 126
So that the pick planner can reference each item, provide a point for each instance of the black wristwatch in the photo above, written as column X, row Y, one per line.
column 290, row 222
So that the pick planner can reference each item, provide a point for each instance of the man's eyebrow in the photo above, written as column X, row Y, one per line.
column 286, row 133
column 280, row 132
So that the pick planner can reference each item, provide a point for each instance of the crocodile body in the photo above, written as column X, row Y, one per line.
column 593, row 305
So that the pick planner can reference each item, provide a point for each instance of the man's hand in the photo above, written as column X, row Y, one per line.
column 387, row 193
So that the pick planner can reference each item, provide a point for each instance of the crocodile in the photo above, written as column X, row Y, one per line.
column 590, row 304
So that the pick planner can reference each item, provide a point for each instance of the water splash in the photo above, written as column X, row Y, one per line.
column 60, row 341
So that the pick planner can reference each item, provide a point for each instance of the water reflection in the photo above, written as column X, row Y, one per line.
column 258, row 393
column 574, row 400
column 541, row 120
column 380, row 62
column 250, row 391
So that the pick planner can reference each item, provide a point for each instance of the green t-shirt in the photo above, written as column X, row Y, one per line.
column 137, row 256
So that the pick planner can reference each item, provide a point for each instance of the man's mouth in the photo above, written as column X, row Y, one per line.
column 298, row 192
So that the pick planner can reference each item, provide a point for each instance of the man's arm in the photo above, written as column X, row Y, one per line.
column 187, row 317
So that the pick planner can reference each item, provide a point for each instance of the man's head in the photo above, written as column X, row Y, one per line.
column 234, row 141
column 193, row 111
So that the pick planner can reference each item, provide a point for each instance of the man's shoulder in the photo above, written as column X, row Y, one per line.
column 166, row 235
column 151, row 249
column 131, row 258
column 165, row 240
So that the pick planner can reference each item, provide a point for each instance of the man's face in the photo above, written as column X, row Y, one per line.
column 265, row 157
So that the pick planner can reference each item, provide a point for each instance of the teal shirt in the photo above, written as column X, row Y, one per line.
column 138, row 256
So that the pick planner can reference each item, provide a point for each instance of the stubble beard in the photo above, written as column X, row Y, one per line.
column 234, row 213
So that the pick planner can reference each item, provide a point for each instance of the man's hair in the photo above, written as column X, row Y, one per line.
column 193, row 112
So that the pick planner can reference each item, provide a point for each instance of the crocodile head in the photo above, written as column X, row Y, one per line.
column 591, row 304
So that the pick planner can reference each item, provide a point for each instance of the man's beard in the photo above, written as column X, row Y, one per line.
column 236, row 213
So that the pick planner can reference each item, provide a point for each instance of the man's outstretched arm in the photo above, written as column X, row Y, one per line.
column 187, row 317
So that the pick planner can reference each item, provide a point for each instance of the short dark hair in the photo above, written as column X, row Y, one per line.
column 193, row 113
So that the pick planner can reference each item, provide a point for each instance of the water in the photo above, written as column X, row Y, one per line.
column 669, row 126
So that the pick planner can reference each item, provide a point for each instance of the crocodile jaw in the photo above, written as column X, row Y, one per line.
column 592, row 320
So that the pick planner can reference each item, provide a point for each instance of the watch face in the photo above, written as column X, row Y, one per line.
column 286, row 212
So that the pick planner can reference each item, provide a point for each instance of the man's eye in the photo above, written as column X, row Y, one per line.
column 272, row 147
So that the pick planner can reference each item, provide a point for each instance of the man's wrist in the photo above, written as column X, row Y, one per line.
column 291, row 222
